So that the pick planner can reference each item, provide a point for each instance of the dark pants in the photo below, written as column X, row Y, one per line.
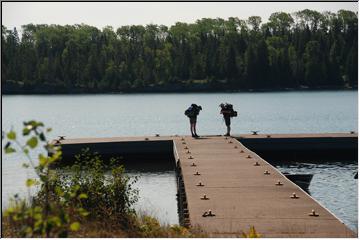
column 227, row 121
column 192, row 120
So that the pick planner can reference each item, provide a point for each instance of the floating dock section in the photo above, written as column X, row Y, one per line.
column 314, row 148
column 224, row 188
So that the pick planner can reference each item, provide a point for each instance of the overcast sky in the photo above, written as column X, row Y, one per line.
column 15, row 14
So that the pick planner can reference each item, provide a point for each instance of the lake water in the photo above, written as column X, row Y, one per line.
column 108, row 115
column 334, row 186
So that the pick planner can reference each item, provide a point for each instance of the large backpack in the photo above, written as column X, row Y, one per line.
column 190, row 112
column 230, row 108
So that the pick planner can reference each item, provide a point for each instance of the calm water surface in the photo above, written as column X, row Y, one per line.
column 139, row 114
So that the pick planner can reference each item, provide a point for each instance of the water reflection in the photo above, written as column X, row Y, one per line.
column 157, row 189
column 156, row 167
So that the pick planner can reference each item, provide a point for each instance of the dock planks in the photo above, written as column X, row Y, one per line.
column 241, row 195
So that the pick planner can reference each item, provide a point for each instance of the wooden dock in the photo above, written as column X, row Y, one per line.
column 240, row 194
column 240, row 188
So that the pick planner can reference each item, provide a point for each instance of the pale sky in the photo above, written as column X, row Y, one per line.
column 116, row 14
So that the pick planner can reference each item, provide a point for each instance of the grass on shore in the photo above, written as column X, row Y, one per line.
column 143, row 226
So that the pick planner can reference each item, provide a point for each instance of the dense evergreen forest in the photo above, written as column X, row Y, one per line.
column 305, row 49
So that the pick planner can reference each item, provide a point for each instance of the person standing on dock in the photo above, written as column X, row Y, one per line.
column 192, row 112
column 228, row 112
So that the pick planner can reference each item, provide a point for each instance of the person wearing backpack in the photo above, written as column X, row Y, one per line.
column 192, row 112
column 228, row 112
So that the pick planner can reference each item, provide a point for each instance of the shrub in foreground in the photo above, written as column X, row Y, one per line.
column 88, row 199
column 41, row 216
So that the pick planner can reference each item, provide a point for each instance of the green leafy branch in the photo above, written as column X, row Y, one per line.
column 49, row 214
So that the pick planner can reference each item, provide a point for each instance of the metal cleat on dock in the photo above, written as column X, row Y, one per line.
column 235, row 146
column 204, row 197
column 61, row 137
column 190, row 157
column 200, row 184
column 256, row 164
column 183, row 142
column 146, row 139
column 294, row 196
column 157, row 135
column 230, row 141
column 248, row 156
column 210, row 214
column 313, row 213
column 279, row 183
column 197, row 174
column 268, row 136
column 186, row 147
column 193, row 165
column 254, row 132
column 188, row 152
column 242, row 151
column 267, row 172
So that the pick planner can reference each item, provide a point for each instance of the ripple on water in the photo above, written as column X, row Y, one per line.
column 334, row 186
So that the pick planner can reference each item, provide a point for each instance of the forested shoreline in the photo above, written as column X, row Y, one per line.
column 302, row 50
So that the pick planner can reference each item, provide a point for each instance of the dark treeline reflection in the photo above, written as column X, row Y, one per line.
column 150, row 167
column 302, row 49
column 140, row 163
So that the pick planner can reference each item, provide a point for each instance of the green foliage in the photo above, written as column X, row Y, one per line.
column 75, row 226
column 105, row 189
column 88, row 190
column 41, row 217
column 32, row 142
column 224, row 53
column 9, row 149
column 11, row 135
column 88, row 198
column 150, row 227
column 252, row 233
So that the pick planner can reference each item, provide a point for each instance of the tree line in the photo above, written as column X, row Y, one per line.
column 305, row 49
